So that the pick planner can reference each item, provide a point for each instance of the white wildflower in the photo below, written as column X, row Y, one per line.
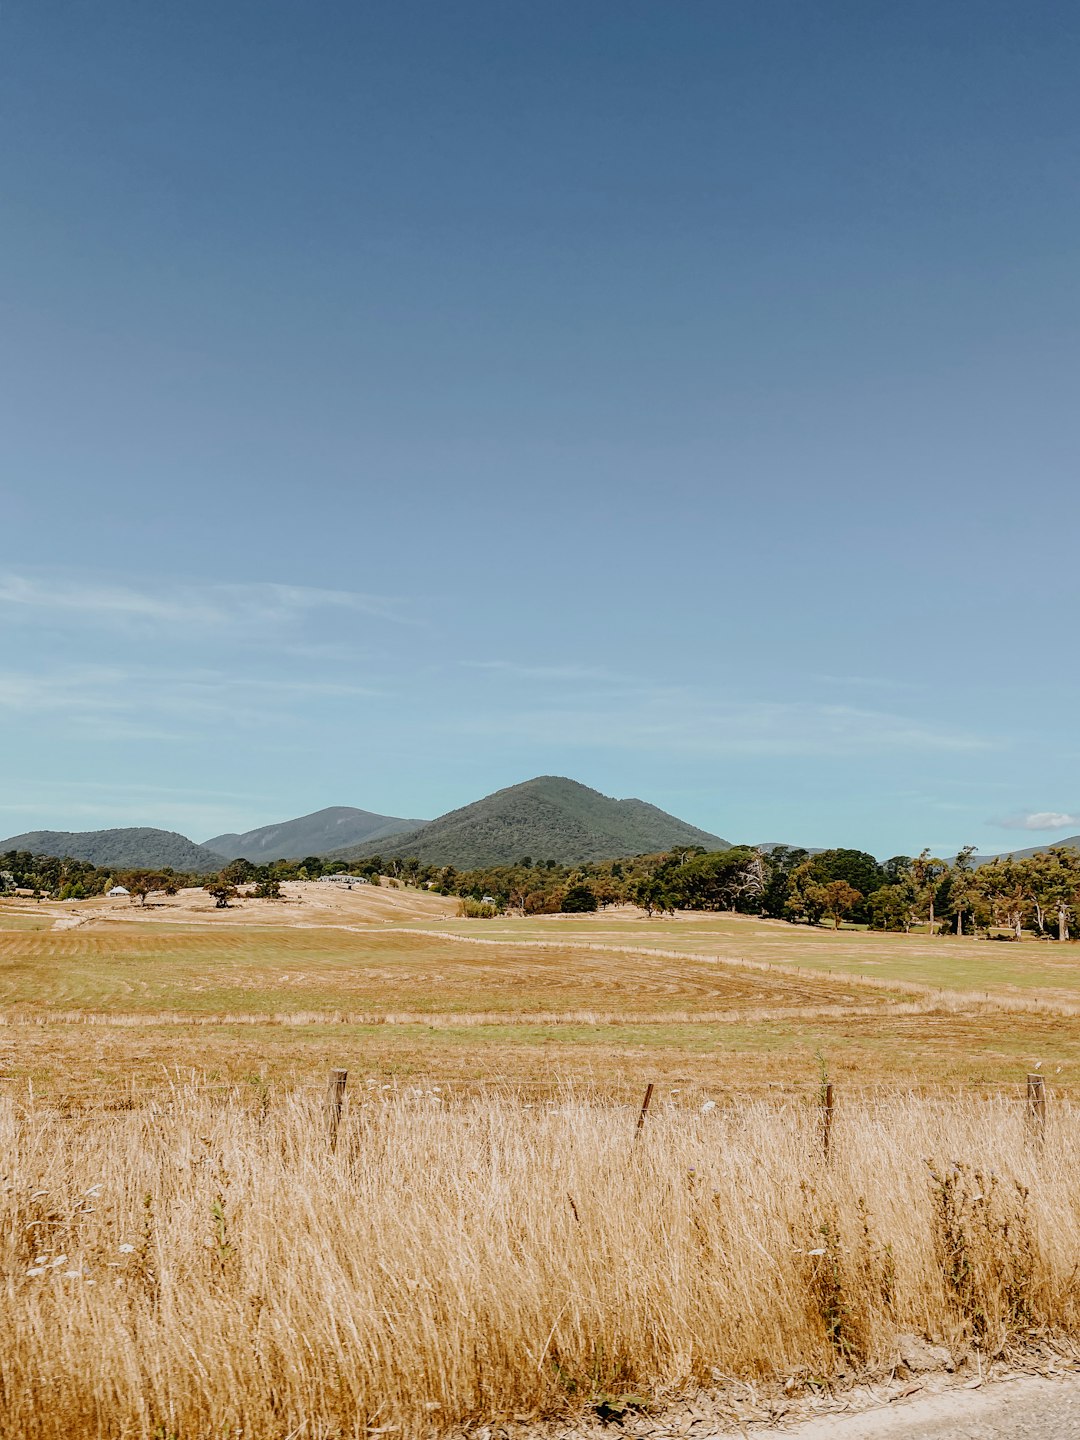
column 126, row 1249
column 708, row 1105
column 36, row 1270
column 60, row 1260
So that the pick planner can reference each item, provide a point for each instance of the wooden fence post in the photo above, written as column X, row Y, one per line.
column 644, row 1109
column 335, row 1099
column 1036, row 1104
column 826, row 1119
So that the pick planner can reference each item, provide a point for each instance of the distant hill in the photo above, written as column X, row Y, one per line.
column 549, row 818
column 1072, row 842
column 771, row 845
column 135, row 848
column 334, row 828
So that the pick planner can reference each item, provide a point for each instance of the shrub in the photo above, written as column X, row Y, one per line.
column 470, row 909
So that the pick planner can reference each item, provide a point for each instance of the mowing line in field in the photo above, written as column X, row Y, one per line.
column 951, row 998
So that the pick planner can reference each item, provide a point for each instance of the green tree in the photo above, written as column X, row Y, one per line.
column 1005, row 886
column 927, row 873
column 717, row 881
column 890, row 907
column 779, row 865
column 1055, row 883
column 838, row 900
column 652, row 895
column 859, row 869
column 268, row 889
column 963, row 892
column 608, row 890
column 579, row 899
column 806, row 899
column 896, row 870
column 141, row 884
column 222, row 890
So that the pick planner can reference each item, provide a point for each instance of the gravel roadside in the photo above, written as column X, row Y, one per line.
column 1030, row 1408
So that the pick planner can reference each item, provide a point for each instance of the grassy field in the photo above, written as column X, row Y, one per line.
column 972, row 965
column 392, row 985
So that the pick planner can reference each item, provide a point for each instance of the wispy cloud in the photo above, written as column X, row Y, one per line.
column 547, row 674
column 865, row 682
column 157, row 703
column 686, row 721
column 1039, row 820
column 187, row 604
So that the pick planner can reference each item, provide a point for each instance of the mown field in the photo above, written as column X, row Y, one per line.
column 723, row 1004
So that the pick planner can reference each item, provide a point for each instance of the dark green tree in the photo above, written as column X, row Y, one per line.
column 579, row 899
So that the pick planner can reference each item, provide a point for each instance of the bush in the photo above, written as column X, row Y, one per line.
column 470, row 909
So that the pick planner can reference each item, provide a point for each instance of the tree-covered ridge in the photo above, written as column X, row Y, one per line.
column 67, row 878
column 550, row 818
column 137, row 845
column 334, row 828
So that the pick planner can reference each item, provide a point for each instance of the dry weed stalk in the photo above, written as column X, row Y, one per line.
column 205, row 1266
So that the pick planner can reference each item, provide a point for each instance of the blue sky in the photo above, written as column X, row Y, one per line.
column 401, row 400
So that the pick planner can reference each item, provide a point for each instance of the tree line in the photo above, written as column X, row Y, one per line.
column 1040, row 893
column 1006, row 896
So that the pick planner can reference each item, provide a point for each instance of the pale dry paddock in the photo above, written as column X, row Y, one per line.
column 206, row 1266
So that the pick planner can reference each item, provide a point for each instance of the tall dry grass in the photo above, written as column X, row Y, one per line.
column 205, row 1266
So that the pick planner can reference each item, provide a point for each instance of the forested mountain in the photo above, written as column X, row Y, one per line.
column 549, row 818
column 135, row 847
column 335, row 828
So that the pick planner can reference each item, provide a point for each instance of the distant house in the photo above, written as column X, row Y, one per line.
column 347, row 880
column 487, row 900
column 117, row 890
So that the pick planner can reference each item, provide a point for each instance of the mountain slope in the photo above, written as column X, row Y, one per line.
column 1071, row 842
column 549, row 818
column 137, row 847
column 335, row 827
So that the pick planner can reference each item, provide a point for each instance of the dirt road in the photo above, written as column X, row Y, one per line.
column 1031, row 1408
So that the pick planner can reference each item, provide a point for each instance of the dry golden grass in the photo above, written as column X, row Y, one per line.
column 204, row 1266
column 90, row 1065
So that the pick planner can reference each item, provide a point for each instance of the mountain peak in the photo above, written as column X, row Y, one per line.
column 550, row 817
